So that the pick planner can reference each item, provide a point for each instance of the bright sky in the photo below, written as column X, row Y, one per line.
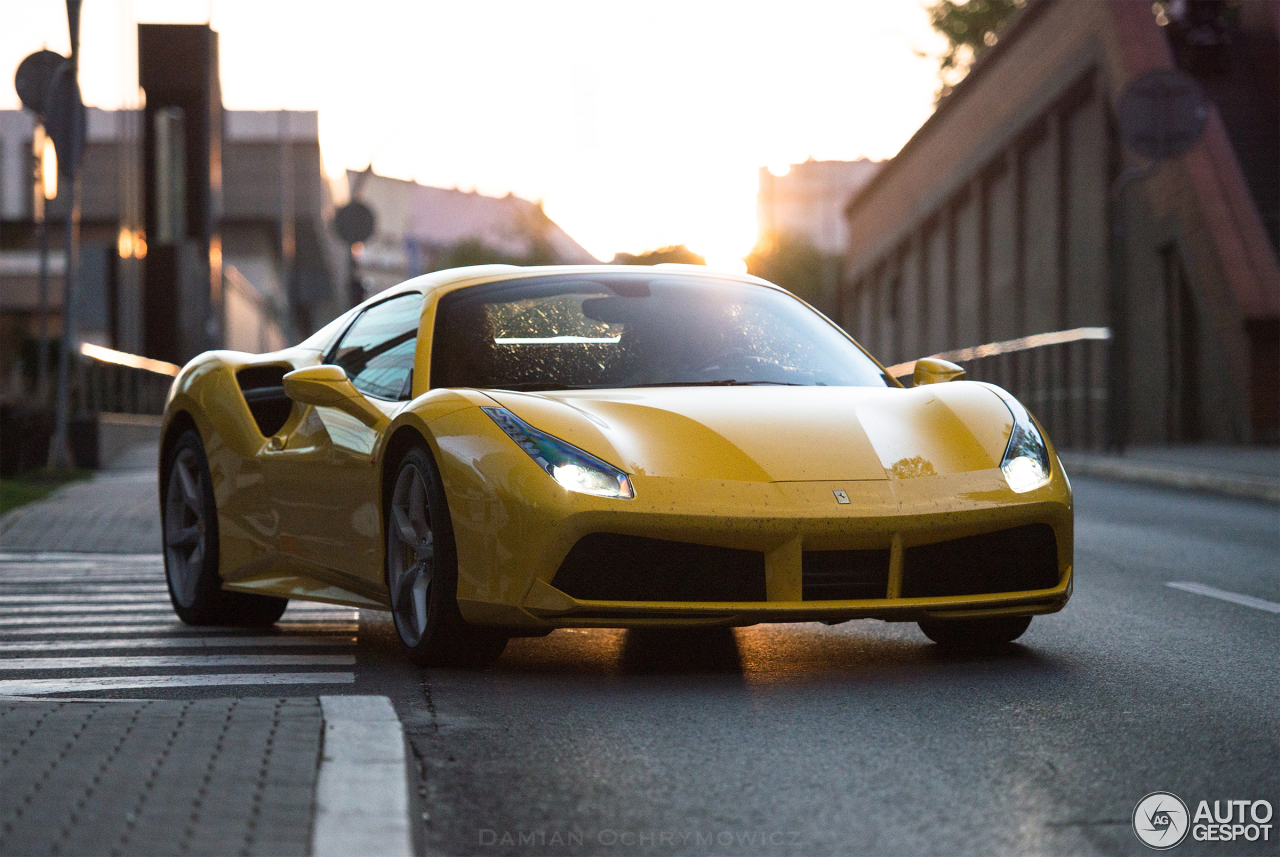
column 639, row 124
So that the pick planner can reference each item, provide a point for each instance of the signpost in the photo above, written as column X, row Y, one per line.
column 65, row 120
column 33, row 82
column 1161, row 115
column 354, row 223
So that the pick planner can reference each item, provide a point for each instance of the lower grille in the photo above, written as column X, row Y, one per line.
column 844, row 575
column 612, row 567
column 1010, row 560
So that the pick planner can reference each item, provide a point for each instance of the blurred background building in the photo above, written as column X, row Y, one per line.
column 201, row 228
column 801, row 226
column 422, row 229
column 808, row 200
column 992, row 224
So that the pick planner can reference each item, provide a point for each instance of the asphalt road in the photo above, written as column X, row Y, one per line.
column 794, row 739
column 862, row 738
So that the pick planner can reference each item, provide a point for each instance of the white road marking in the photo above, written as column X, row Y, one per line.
column 172, row 643
column 127, row 662
column 362, row 801
column 88, row 560
column 87, row 598
column 153, row 621
column 128, row 627
column 1223, row 595
column 80, row 586
column 86, row 610
column 39, row 686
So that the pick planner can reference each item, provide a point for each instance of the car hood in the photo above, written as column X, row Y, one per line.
column 778, row 434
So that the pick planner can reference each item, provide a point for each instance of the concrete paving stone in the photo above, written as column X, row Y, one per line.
column 115, row 512
column 169, row 776
column 277, row 848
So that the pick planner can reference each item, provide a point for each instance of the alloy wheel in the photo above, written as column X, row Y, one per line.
column 411, row 554
column 185, row 526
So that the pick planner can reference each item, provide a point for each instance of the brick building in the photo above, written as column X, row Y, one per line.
column 993, row 225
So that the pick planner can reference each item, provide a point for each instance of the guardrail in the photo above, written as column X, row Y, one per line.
column 1062, row 378
column 119, row 382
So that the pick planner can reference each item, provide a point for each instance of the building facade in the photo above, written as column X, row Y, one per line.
column 993, row 226
column 200, row 227
column 808, row 200
column 419, row 228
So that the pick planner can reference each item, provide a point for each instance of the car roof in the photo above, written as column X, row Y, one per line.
column 457, row 278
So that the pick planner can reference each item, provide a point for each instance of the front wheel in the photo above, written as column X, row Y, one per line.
column 190, row 526
column 975, row 634
column 422, row 573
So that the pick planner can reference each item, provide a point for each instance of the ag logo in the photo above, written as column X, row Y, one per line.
column 1160, row 820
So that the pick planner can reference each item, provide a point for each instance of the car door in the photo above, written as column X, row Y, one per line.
column 322, row 479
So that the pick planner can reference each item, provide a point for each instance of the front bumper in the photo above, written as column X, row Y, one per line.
column 507, row 574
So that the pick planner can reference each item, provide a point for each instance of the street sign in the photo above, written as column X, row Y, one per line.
column 354, row 222
column 34, row 79
column 1162, row 114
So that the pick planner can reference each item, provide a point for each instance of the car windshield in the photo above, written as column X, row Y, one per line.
column 637, row 329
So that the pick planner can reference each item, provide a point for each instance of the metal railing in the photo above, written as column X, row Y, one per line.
column 118, row 382
column 1062, row 377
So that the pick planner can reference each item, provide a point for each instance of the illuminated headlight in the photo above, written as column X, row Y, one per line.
column 1026, row 458
column 573, row 468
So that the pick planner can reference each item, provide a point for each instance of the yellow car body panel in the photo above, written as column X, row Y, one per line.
column 300, row 512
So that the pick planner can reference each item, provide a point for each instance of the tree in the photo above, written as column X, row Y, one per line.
column 970, row 28
column 675, row 253
column 475, row 251
column 793, row 262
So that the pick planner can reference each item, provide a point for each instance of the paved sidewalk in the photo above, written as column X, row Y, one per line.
column 173, row 776
column 117, row 511
column 211, row 776
column 1248, row 472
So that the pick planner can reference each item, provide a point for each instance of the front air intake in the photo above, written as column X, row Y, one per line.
column 613, row 567
column 845, row 575
column 1013, row 560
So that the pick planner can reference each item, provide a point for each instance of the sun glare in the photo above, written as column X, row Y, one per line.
column 726, row 262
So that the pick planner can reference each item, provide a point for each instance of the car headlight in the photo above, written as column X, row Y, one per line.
column 1026, row 458
column 573, row 468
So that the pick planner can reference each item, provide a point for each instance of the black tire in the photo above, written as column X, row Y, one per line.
column 975, row 634
column 421, row 571
column 189, row 517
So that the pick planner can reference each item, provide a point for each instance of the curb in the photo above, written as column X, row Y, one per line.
column 1124, row 470
column 362, row 799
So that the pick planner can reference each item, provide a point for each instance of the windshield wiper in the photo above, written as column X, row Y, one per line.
column 538, row 387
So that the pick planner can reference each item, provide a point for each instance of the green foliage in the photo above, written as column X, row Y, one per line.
column 794, row 263
column 676, row 253
column 970, row 28
column 474, row 251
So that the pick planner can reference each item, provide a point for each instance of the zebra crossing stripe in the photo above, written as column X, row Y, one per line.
column 87, row 598
column 126, row 627
column 171, row 643
column 86, row 610
column 134, row 662
column 92, row 684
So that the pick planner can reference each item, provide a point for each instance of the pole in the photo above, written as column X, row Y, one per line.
column 42, row 223
column 59, row 445
column 1118, row 371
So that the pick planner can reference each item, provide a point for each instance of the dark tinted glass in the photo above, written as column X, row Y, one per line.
column 378, row 350
column 637, row 329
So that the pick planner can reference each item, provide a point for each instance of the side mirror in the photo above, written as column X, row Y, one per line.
column 929, row 370
column 327, row 386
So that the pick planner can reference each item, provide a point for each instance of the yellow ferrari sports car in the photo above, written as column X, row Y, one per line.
column 496, row 451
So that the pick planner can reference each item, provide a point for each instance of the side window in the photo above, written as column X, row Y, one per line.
column 378, row 350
